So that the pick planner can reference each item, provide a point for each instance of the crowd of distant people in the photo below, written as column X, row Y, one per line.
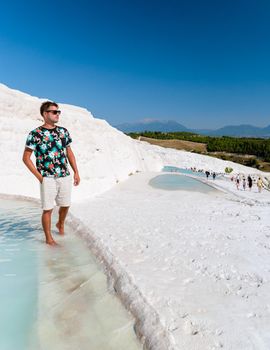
column 244, row 182
column 207, row 172
column 247, row 182
column 241, row 181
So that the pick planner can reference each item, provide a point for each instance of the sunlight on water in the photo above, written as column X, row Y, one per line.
column 54, row 297
column 172, row 182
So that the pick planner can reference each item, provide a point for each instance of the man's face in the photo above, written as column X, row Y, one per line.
column 50, row 115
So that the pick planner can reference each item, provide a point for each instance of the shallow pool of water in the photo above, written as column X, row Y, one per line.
column 174, row 169
column 173, row 182
column 54, row 297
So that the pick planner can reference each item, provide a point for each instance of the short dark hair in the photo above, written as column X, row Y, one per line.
column 46, row 105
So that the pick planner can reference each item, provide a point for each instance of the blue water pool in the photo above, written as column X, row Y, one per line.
column 18, row 275
column 172, row 182
column 54, row 297
column 174, row 169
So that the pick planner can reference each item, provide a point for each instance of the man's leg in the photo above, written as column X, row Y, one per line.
column 46, row 224
column 63, row 200
column 61, row 221
column 47, row 193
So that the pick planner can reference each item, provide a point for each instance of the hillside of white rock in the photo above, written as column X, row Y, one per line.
column 105, row 155
column 192, row 267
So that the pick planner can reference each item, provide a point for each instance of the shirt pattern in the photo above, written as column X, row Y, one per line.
column 49, row 146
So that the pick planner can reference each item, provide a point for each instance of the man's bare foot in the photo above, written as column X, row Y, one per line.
column 60, row 228
column 51, row 242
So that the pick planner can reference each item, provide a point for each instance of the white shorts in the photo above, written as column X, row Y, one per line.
column 55, row 189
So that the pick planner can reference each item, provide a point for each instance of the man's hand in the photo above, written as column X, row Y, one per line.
column 72, row 162
column 76, row 179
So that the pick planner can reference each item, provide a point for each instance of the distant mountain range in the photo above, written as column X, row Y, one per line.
column 243, row 130
column 152, row 125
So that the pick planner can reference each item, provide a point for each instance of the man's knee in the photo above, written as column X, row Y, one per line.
column 63, row 208
column 47, row 212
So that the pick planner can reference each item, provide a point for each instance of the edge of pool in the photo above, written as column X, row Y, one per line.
column 148, row 327
column 202, row 180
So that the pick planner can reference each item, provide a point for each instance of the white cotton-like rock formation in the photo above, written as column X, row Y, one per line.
column 105, row 155
column 191, row 267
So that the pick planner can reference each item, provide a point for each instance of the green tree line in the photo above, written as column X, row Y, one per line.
column 253, row 146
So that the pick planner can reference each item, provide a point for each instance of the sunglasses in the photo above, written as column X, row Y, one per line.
column 53, row 111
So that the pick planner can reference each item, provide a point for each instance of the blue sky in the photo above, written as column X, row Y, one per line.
column 202, row 63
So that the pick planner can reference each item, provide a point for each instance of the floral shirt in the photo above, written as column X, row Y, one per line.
column 49, row 146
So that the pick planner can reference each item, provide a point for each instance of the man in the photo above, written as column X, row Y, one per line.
column 51, row 145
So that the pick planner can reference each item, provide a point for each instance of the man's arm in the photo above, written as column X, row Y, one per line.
column 72, row 162
column 30, row 165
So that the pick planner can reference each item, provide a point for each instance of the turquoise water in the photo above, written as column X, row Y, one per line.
column 172, row 182
column 54, row 297
column 18, row 275
column 168, row 168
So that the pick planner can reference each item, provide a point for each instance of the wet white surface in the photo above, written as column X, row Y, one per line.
column 54, row 297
